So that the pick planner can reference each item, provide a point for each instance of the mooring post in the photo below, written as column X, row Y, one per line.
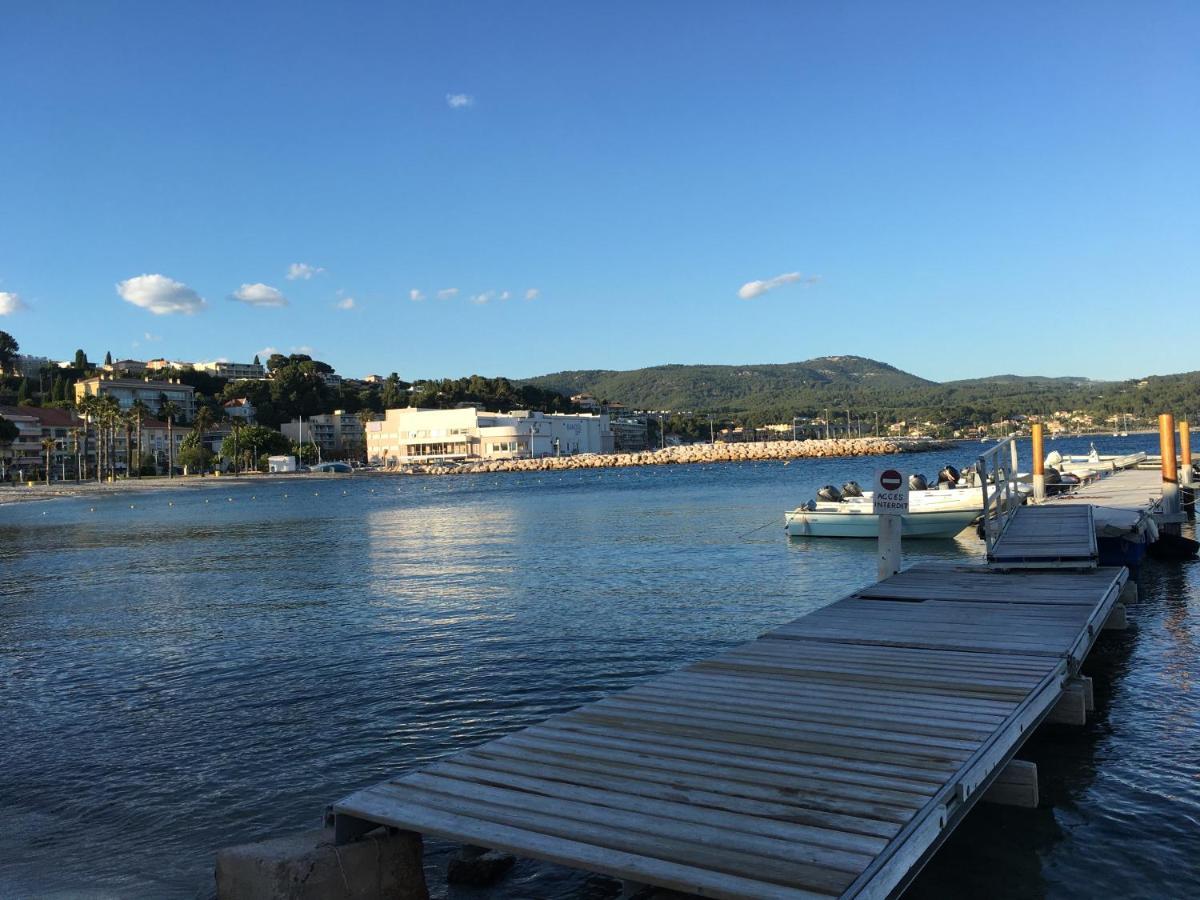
column 890, row 552
column 1187, row 491
column 1039, row 465
column 1170, row 472
column 889, row 503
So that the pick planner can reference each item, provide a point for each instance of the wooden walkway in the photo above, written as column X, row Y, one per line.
column 1050, row 534
column 1131, row 489
column 828, row 758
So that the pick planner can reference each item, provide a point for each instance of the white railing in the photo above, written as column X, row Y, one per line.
column 997, row 471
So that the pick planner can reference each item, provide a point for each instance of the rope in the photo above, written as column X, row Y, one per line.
column 759, row 528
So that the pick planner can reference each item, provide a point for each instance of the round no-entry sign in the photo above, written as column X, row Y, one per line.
column 890, row 480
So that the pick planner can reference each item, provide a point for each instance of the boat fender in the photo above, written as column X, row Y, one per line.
column 851, row 489
column 917, row 483
column 829, row 494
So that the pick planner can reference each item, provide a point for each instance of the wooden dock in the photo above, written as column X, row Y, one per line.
column 830, row 757
column 1129, row 489
column 1047, row 535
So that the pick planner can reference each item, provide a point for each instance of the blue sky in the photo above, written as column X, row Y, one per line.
column 955, row 191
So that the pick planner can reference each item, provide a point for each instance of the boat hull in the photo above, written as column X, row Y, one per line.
column 932, row 525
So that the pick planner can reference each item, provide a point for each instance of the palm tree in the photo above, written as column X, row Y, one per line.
column 110, row 415
column 365, row 416
column 75, row 442
column 48, row 447
column 169, row 411
column 140, row 411
column 235, row 426
column 86, row 407
column 128, row 420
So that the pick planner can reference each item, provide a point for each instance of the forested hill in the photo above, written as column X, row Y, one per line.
column 775, row 393
column 735, row 389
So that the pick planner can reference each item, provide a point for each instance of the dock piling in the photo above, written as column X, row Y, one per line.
column 1186, row 479
column 1170, row 471
column 1039, row 465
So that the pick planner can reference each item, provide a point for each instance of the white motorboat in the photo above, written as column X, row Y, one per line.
column 932, row 514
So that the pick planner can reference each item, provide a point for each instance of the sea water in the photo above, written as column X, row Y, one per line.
column 181, row 670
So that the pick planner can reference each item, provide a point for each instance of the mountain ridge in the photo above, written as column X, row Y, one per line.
column 775, row 392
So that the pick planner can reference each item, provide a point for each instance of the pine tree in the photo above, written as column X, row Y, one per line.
column 81, row 360
column 108, row 358
column 23, row 392
column 256, row 362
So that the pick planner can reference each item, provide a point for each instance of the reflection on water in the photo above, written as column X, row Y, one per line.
column 209, row 667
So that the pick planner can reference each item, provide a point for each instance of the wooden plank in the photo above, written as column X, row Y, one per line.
column 730, row 757
column 695, row 879
column 634, row 783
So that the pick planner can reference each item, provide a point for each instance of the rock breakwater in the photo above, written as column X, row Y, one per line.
column 693, row 453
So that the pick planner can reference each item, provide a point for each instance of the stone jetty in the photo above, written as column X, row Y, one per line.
column 693, row 453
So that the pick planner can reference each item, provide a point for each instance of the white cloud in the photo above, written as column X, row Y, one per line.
column 459, row 101
column 266, row 351
column 302, row 271
column 447, row 293
column 160, row 294
column 532, row 294
column 485, row 297
column 10, row 303
column 346, row 303
column 152, row 337
column 504, row 295
column 752, row 289
column 415, row 296
column 305, row 349
column 259, row 294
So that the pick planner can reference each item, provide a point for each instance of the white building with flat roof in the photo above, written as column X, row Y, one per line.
column 233, row 371
column 425, row 435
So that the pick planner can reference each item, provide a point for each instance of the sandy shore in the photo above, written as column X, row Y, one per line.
column 57, row 489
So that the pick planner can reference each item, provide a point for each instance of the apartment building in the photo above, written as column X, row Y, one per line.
column 335, row 433
column 126, row 391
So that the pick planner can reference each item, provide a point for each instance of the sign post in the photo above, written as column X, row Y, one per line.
column 889, row 503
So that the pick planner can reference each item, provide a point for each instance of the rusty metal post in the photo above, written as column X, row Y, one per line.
column 1039, row 465
column 1170, row 470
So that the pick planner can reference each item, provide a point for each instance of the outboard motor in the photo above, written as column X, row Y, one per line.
column 829, row 494
column 851, row 489
column 917, row 483
column 949, row 475
column 1053, row 459
column 1054, row 483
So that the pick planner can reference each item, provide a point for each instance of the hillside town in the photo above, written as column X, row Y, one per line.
column 73, row 420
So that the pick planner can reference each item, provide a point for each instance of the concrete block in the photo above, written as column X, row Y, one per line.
column 1116, row 619
column 383, row 865
column 1071, row 708
column 1016, row 785
column 477, row 866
